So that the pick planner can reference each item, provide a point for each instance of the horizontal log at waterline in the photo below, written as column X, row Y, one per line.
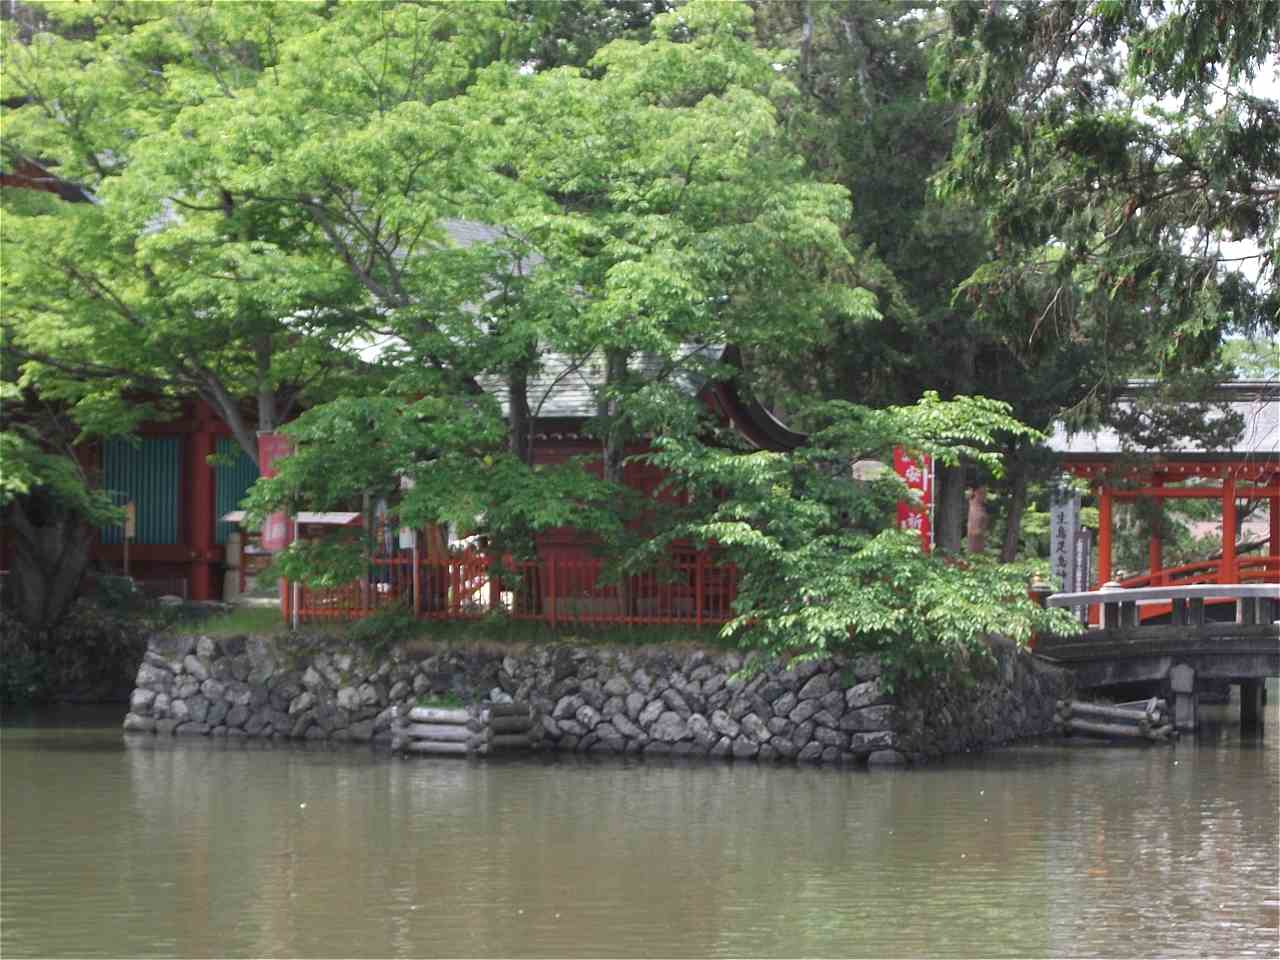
column 1150, row 709
column 437, row 731
column 439, row 715
column 465, row 732
column 507, row 710
column 510, row 724
column 507, row 741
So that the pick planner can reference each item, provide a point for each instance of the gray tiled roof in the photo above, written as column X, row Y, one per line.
column 1257, row 403
column 569, row 387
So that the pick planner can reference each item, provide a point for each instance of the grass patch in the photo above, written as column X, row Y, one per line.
column 522, row 634
column 260, row 621
column 384, row 628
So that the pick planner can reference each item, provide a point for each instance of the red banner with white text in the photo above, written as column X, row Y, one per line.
column 916, row 514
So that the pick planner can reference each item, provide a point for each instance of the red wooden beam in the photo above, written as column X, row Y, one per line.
column 1191, row 493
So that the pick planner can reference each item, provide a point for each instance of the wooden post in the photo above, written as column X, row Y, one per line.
column 1111, row 609
column 1273, row 508
column 1104, row 545
column 417, row 573
column 455, row 564
column 1104, row 535
column 1182, row 680
column 697, row 587
column 130, row 531
column 551, row 587
column 1128, row 614
column 1251, row 706
column 1155, row 549
column 1228, row 570
column 201, row 446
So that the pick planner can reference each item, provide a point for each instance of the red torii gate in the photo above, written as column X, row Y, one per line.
column 1236, row 480
column 1250, row 470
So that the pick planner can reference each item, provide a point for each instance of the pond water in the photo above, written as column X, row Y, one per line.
column 142, row 846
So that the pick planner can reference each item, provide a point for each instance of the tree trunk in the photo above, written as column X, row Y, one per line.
column 616, row 445
column 950, row 509
column 266, row 394
column 519, row 419
column 51, row 554
column 616, row 436
column 979, row 521
column 1017, row 509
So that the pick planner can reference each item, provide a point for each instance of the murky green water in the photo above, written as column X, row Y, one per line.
column 145, row 846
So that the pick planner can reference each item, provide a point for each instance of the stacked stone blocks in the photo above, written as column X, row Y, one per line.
column 591, row 700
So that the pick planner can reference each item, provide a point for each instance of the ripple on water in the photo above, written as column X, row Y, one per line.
column 160, row 847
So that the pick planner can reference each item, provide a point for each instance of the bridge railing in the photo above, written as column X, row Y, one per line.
column 1248, row 569
column 1254, row 603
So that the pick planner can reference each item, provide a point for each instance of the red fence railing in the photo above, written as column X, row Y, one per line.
column 1248, row 569
column 690, row 589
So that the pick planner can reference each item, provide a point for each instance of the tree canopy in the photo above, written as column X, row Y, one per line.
column 382, row 224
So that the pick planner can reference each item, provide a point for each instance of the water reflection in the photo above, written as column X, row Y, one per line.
column 146, row 846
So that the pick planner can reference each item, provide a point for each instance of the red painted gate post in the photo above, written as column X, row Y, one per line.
column 1228, row 574
column 551, row 587
column 697, row 586
column 202, row 511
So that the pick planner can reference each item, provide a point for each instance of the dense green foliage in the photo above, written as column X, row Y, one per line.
column 387, row 225
column 822, row 566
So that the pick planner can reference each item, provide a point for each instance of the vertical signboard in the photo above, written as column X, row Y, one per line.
column 1064, row 519
column 1083, row 558
column 275, row 526
column 917, row 474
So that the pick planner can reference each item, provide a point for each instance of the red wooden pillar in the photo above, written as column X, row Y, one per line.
column 1104, row 535
column 697, row 587
column 1273, row 508
column 1155, row 550
column 201, row 445
column 1228, row 570
column 1104, row 548
column 551, row 589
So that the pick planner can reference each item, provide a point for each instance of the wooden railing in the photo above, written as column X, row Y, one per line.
column 1264, row 569
column 1261, row 569
column 690, row 589
column 1255, row 603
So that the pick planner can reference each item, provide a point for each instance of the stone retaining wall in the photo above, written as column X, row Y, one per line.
column 590, row 699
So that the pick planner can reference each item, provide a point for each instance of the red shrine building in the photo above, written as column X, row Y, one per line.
column 1244, row 477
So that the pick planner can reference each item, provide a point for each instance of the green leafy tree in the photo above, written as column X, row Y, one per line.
column 948, row 124
column 48, row 506
column 644, row 209
column 1115, row 147
column 823, row 567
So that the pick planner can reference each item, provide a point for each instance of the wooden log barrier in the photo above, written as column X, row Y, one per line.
column 1104, row 712
column 1098, row 729
column 439, row 715
column 510, row 724
column 506, row 741
column 473, row 731
column 453, row 733
column 508, row 709
column 1141, row 719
